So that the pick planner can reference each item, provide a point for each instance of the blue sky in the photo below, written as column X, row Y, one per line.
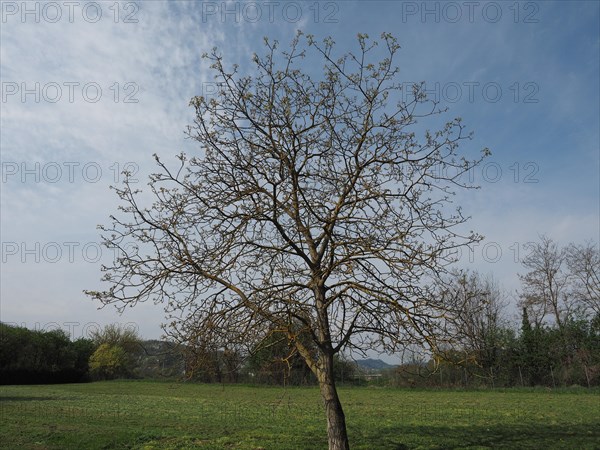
column 89, row 91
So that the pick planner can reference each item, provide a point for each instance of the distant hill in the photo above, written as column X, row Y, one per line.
column 373, row 364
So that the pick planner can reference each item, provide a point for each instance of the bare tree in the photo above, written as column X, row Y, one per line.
column 482, row 317
column 545, row 285
column 312, row 208
column 584, row 265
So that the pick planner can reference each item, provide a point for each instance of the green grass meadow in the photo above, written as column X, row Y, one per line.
column 166, row 415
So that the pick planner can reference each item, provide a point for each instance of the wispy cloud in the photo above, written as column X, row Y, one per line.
column 112, row 92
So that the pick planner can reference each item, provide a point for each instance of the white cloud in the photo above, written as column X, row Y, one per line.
column 161, row 56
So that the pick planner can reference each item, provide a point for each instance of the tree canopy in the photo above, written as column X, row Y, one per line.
column 315, row 206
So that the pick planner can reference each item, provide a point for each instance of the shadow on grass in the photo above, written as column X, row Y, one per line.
column 509, row 436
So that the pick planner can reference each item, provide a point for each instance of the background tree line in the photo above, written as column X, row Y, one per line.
column 40, row 357
column 36, row 357
column 45, row 357
column 554, row 341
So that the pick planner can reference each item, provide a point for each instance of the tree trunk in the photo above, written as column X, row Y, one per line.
column 336, row 420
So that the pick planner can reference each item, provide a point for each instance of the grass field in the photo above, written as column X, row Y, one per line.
column 161, row 415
